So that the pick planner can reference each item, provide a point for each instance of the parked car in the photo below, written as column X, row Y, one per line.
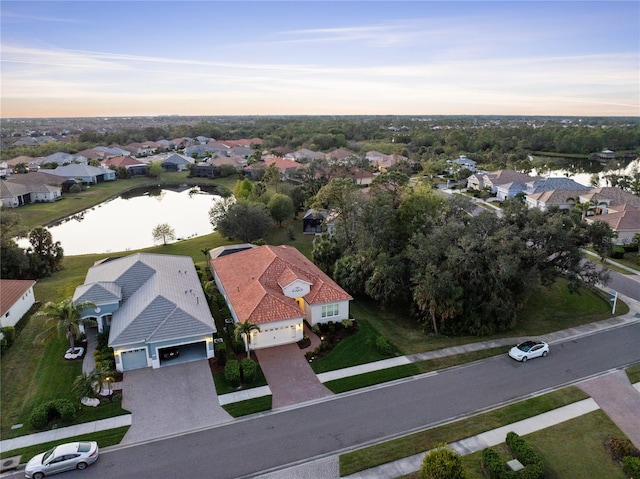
column 65, row 457
column 170, row 353
column 528, row 350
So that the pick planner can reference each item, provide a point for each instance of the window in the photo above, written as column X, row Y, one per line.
column 330, row 310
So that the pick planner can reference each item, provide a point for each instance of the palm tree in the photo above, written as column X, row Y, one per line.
column 91, row 384
column 63, row 316
column 243, row 330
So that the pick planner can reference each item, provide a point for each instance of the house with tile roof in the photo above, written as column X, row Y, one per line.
column 278, row 288
column 133, row 166
column 624, row 220
column 32, row 187
column 148, row 303
column 16, row 299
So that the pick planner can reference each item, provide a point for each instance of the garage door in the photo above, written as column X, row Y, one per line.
column 270, row 336
column 134, row 359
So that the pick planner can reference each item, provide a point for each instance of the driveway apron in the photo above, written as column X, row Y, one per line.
column 170, row 400
column 289, row 375
column 620, row 401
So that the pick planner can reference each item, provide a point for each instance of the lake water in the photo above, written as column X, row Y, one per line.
column 585, row 178
column 125, row 223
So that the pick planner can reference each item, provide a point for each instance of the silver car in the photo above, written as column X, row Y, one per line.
column 74, row 455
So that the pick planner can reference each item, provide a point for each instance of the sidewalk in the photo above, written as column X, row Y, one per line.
column 632, row 316
column 65, row 432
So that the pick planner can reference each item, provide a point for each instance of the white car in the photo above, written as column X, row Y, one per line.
column 528, row 350
column 74, row 455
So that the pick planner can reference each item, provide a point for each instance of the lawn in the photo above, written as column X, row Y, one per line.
column 405, row 446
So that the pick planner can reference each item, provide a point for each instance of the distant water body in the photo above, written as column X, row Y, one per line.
column 126, row 222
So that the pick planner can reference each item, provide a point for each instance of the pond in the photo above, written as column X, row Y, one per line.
column 126, row 222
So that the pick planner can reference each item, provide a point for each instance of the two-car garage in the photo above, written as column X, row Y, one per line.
column 165, row 356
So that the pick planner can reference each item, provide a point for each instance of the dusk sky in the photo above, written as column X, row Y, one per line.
column 117, row 58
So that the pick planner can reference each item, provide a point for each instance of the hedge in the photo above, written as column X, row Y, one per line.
column 232, row 373
column 249, row 370
column 496, row 468
column 220, row 350
column 8, row 338
column 62, row 408
column 383, row 346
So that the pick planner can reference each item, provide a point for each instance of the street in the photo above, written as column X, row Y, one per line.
column 275, row 439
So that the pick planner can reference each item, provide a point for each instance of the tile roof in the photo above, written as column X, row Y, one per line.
column 628, row 220
column 33, row 178
column 253, row 280
column 122, row 161
column 11, row 290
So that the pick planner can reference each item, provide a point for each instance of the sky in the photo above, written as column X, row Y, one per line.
column 127, row 58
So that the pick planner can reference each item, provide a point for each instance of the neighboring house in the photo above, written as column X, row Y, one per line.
column 27, row 160
column 62, row 158
column 305, row 154
column 241, row 151
column 463, row 162
column 314, row 221
column 205, row 170
column 133, row 166
column 606, row 155
column 237, row 162
column 142, row 149
column 93, row 154
column 15, row 300
column 491, row 180
column 90, row 175
column 4, row 170
column 284, row 165
column 32, row 187
column 111, row 151
column 200, row 151
column 177, row 162
column 339, row 154
column 278, row 288
column 624, row 220
column 563, row 199
column 149, row 302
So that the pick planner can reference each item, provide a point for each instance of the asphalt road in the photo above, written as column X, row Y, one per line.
column 276, row 439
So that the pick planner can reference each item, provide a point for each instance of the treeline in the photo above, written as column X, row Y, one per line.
column 418, row 140
column 458, row 274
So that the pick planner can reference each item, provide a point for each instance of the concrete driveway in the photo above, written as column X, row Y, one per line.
column 170, row 400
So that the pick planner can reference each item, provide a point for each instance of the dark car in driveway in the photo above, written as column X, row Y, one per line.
column 170, row 353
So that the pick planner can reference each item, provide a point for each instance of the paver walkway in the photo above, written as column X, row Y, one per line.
column 290, row 378
column 170, row 400
column 617, row 397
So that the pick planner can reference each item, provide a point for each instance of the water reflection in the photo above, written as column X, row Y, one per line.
column 125, row 223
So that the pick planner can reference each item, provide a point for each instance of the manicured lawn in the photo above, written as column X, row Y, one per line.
column 106, row 438
column 634, row 373
column 38, row 214
column 372, row 456
column 572, row 449
column 250, row 406
column 359, row 348
column 223, row 388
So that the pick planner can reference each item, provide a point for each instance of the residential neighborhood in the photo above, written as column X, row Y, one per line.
column 263, row 316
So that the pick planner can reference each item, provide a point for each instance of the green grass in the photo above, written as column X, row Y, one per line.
column 572, row 449
column 405, row 446
column 39, row 214
column 223, row 388
column 633, row 373
column 249, row 406
column 359, row 348
column 106, row 438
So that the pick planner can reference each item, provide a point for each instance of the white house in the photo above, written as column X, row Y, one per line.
column 278, row 288
column 16, row 298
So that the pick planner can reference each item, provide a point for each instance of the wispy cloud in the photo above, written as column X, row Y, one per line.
column 12, row 16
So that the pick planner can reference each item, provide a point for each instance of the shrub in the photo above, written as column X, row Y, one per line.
column 620, row 448
column 58, row 408
column 631, row 466
column 383, row 346
column 102, row 341
column 249, row 370
column 232, row 373
column 534, row 467
column 316, row 329
column 237, row 344
column 331, row 327
column 617, row 252
column 220, row 351
column 492, row 463
column 347, row 323
column 8, row 338
column 442, row 463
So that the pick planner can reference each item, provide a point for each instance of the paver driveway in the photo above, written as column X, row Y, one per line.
column 170, row 400
column 289, row 375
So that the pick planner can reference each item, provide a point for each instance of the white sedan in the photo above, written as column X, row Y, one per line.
column 74, row 455
column 528, row 350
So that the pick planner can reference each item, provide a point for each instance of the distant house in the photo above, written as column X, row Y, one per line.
column 305, row 154
column 134, row 167
column 278, row 288
column 32, row 187
column 16, row 299
column 90, row 175
column 339, row 154
column 624, row 220
column 111, row 151
column 313, row 221
column 237, row 162
column 147, row 303
column 205, row 170
column 62, row 158
column 200, row 151
column 606, row 155
column 491, row 180
column 463, row 162
column 177, row 162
